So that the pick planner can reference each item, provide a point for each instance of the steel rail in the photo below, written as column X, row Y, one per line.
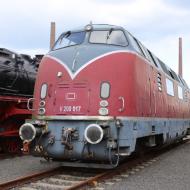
column 29, row 178
column 106, row 175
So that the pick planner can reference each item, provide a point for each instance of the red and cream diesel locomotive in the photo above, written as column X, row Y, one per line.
column 99, row 95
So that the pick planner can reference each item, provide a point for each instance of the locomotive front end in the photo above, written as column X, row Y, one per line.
column 78, row 99
column 89, row 141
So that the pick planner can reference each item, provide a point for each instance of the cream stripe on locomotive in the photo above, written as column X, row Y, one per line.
column 73, row 75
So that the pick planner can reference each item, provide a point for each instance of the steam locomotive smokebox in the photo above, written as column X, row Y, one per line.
column 17, row 73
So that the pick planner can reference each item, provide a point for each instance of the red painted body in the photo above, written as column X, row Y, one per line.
column 13, row 112
column 130, row 76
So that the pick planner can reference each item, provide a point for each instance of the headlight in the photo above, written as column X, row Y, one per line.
column 88, row 27
column 105, row 90
column 59, row 74
column 41, row 111
column 42, row 103
column 93, row 134
column 43, row 91
column 104, row 103
column 103, row 111
column 27, row 132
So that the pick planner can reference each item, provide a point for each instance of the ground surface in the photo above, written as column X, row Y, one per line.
column 12, row 168
column 171, row 171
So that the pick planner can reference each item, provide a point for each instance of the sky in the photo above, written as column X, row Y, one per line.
column 25, row 25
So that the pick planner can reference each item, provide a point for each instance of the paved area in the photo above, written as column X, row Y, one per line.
column 171, row 171
column 12, row 168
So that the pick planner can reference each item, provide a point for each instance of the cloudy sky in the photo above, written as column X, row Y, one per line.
column 25, row 25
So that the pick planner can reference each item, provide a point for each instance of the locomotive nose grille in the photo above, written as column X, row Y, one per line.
column 72, row 98
column 93, row 134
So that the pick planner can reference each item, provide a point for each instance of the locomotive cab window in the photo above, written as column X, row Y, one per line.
column 111, row 37
column 69, row 39
column 174, row 75
column 169, row 87
column 152, row 58
column 135, row 44
column 180, row 92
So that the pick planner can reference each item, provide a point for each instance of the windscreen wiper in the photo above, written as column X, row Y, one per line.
column 109, row 33
column 64, row 35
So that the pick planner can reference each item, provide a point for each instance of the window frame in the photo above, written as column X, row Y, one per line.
column 180, row 87
column 174, row 75
column 69, row 45
column 133, row 40
column 168, row 87
column 152, row 58
column 144, row 50
column 107, row 43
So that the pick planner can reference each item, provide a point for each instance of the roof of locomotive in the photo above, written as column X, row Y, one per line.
column 115, row 27
column 105, row 26
column 97, row 27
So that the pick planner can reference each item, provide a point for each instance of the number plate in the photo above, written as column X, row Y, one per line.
column 70, row 109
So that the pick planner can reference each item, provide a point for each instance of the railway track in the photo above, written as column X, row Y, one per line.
column 82, row 178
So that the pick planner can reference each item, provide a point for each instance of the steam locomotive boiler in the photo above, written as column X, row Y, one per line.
column 100, row 95
column 17, row 74
column 17, row 78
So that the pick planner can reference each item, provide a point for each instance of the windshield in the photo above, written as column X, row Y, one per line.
column 113, row 37
column 69, row 39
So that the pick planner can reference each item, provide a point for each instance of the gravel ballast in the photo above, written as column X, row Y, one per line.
column 171, row 171
column 16, row 167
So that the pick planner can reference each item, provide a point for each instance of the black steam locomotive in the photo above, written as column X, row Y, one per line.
column 17, row 73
